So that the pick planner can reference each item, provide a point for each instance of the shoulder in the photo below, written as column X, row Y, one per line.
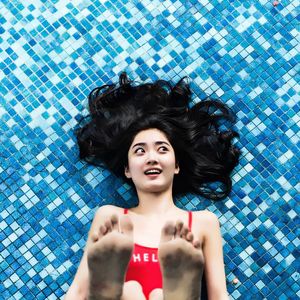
column 207, row 217
column 208, row 224
column 109, row 209
column 102, row 214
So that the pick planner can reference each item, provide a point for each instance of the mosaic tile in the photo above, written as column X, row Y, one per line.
column 54, row 52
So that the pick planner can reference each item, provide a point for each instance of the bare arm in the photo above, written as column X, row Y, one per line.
column 214, row 261
column 80, row 285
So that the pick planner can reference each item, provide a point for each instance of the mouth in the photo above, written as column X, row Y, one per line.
column 153, row 172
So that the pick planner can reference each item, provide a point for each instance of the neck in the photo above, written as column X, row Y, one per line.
column 154, row 203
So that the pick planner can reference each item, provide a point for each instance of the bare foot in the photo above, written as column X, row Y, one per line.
column 108, row 259
column 181, row 261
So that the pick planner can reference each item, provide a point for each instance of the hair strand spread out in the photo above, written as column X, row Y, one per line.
column 204, row 152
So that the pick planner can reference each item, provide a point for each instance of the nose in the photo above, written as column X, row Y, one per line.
column 151, row 162
column 151, row 158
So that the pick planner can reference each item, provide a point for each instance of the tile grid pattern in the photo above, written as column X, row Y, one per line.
column 54, row 52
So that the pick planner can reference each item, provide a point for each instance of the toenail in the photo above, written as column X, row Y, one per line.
column 235, row 281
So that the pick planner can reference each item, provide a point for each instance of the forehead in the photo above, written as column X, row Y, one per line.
column 150, row 135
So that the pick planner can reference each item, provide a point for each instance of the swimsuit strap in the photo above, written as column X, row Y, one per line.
column 125, row 211
column 190, row 220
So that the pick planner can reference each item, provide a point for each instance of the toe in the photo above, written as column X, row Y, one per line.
column 107, row 226
column 95, row 237
column 167, row 232
column 184, row 231
column 115, row 222
column 103, row 230
column 197, row 244
column 98, row 234
column 179, row 226
column 190, row 237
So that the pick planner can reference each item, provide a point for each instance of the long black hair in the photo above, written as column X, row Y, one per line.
column 205, row 154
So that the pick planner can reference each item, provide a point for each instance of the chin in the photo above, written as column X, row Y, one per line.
column 155, row 188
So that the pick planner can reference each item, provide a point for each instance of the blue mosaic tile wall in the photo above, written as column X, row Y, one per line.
column 52, row 53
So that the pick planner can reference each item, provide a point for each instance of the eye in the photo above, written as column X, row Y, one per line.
column 139, row 150
column 163, row 149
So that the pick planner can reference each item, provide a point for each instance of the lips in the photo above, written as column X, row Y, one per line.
column 153, row 171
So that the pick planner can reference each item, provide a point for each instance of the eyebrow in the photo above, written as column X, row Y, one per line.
column 156, row 143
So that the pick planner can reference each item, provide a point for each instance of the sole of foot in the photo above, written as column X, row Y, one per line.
column 182, row 262
column 108, row 258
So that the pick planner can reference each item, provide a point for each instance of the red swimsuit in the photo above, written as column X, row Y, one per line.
column 144, row 266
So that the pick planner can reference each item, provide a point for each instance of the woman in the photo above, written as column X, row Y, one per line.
column 149, row 135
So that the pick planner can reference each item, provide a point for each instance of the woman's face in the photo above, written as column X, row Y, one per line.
column 151, row 161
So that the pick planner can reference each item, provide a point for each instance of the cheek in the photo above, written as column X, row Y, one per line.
column 172, row 160
column 134, row 165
